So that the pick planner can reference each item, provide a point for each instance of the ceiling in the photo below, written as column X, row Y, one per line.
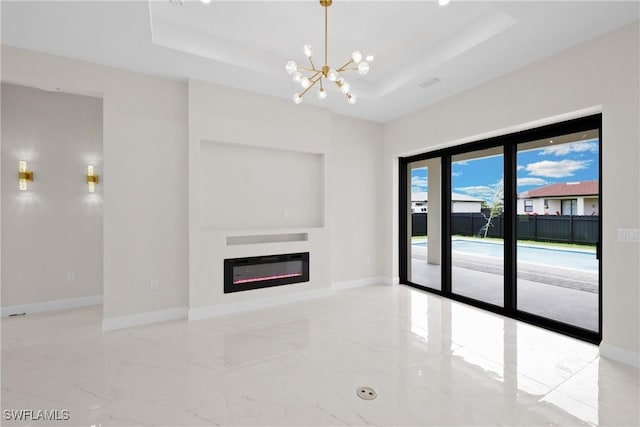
column 423, row 52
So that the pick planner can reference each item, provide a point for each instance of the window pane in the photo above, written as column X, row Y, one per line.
column 556, row 241
column 477, row 249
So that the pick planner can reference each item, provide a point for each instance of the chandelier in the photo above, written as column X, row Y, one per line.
column 315, row 75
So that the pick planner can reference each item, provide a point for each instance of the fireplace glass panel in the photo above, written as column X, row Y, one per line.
column 271, row 271
column 242, row 274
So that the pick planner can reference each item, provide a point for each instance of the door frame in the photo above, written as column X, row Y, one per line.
column 509, row 143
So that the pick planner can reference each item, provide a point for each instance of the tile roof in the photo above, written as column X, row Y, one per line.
column 584, row 188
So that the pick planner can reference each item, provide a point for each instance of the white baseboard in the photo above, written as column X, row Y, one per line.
column 239, row 307
column 350, row 284
column 391, row 281
column 144, row 318
column 619, row 354
column 59, row 304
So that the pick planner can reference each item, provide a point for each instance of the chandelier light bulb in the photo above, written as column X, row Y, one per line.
column 332, row 75
column 305, row 82
column 363, row 68
column 297, row 76
column 340, row 81
column 345, row 88
column 369, row 58
column 297, row 99
column 356, row 56
column 291, row 67
column 322, row 94
column 308, row 50
column 351, row 98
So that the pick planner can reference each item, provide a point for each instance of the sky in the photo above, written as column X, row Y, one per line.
column 537, row 168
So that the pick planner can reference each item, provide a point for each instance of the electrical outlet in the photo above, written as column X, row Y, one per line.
column 155, row 284
column 629, row 235
column 71, row 276
column 286, row 213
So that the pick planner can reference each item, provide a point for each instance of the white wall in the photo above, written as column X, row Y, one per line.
column 355, row 181
column 601, row 75
column 145, row 177
column 54, row 227
column 591, row 206
column 466, row 207
column 245, row 188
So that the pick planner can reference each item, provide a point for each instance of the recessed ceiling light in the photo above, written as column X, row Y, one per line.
column 369, row 58
column 206, row 1
column 443, row 2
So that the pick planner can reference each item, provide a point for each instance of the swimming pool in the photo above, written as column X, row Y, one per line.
column 556, row 257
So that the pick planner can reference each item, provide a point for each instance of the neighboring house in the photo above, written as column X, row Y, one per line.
column 460, row 203
column 566, row 198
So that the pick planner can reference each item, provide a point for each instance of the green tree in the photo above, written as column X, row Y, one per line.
column 495, row 205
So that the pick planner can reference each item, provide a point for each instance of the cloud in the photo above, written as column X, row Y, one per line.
column 419, row 183
column 491, row 193
column 520, row 167
column 461, row 163
column 456, row 173
column 556, row 169
column 531, row 181
column 479, row 191
column 564, row 149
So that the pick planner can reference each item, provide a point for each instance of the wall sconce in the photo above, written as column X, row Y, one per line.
column 92, row 179
column 24, row 175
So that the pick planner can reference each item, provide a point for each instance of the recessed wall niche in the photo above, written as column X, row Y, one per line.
column 255, row 188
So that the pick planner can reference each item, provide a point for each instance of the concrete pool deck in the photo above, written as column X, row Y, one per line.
column 566, row 295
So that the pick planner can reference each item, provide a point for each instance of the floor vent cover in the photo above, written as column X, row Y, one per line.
column 366, row 393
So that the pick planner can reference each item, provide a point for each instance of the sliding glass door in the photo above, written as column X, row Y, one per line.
column 519, row 217
column 477, row 246
column 558, row 223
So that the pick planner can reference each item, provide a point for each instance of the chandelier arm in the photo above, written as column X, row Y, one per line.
column 344, row 67
column 313, row 82
column 312, row 64
column 311, row 70
column 317, row 72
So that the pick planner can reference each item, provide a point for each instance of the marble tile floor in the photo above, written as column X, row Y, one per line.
column 574, row 306
column 431, row 360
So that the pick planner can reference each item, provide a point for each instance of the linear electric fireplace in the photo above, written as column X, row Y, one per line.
column 242, row 274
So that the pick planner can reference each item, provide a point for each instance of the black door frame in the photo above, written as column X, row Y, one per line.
column 510, row 145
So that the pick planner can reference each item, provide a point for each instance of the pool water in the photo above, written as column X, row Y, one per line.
column 577, row 260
